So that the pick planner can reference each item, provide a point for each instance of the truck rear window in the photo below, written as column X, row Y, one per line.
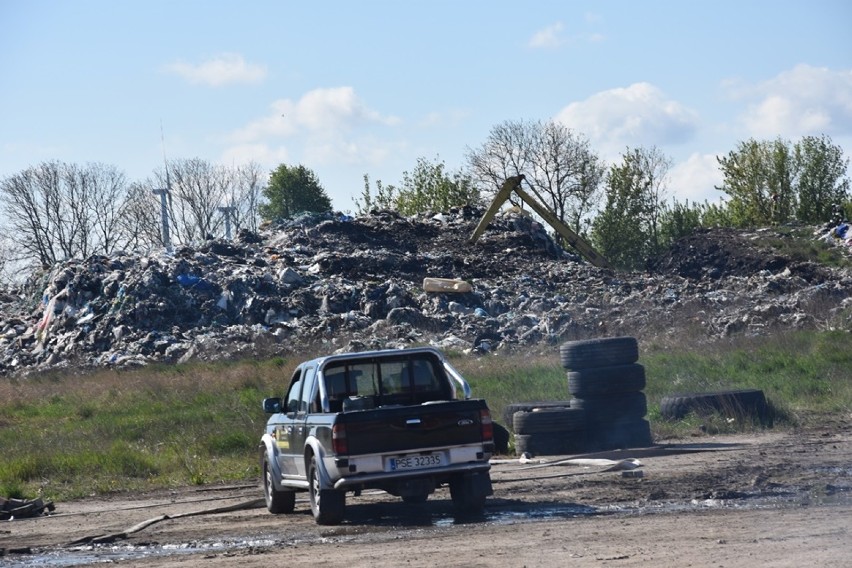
column 389, row 381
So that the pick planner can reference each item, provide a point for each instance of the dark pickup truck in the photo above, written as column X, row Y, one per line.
column 388, row 420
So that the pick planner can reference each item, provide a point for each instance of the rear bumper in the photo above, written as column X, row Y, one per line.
column 372, row 478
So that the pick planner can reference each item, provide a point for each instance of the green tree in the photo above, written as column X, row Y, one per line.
column 430, row 188
column 822, row 180
column 293, row 190
column 628, row 230
column 385, row 197
column 678, row 221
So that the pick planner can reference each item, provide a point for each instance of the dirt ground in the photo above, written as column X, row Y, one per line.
column 765, row 499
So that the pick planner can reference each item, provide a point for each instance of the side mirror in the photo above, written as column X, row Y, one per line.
column 272, row 405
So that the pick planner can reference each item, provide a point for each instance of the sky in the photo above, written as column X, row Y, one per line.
column 369, row 87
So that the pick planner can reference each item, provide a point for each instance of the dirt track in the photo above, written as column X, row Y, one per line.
column 774, row 499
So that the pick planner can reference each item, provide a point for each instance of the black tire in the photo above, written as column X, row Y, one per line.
column 327, row 505
column 606, row 380
column 277, row 502
column 510, row 409
column 600, row 352
column 738, row 404
column 621, row 435
column 501, row 439
column 465, row 502
column 559, row 420
column 551, row 443
column 612, row 408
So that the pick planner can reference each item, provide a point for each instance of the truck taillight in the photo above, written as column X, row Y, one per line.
column 487, row 425
column 338, row 440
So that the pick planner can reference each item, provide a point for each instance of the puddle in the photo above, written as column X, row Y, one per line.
column 99, row 554
column 369, row 519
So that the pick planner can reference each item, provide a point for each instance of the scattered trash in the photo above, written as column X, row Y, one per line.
column 446, row 285
column 11, row 509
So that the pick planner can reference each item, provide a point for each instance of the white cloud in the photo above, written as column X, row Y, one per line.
column 800, row 102
column 695, row 179
column 549, row 37
column 321, row 113
column 263, row 154
column 324, row 126
column 224, row 69
column 639, row 115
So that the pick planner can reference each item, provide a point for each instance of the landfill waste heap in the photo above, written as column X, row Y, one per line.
column 330, row 282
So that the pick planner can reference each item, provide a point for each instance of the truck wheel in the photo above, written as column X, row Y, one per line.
column 465, row 501
column 327, row 505
column 277, row 502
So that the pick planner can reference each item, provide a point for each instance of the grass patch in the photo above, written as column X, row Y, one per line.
column 76, row 435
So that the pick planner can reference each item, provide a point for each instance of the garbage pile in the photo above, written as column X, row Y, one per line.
column 333, row 282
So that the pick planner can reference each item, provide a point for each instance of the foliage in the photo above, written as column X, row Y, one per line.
column 559, row 166
column 428, row 188
column 773, row 182
column 384, row 199
column 628, row 230
column 822, row 183
column 292, row 190
column 678, row 221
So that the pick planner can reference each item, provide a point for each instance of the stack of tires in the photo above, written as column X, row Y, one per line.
column 549, row 429
column 607, row 384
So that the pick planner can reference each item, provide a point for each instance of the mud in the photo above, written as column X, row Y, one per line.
column 763, row 499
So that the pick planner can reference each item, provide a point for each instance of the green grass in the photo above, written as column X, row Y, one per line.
column 75, row 435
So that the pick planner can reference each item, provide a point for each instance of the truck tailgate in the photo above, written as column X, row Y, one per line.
column 404, row 428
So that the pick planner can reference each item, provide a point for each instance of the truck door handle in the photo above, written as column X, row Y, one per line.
column 412, row 422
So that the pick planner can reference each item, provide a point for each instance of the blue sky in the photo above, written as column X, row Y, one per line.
column 354, row 88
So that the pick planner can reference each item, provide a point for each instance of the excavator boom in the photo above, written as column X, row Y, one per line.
column 575, row 240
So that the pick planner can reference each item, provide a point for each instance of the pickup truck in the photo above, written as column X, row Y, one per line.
column 388, row 420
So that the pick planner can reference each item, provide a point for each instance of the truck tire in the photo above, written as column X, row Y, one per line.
column 510, row 409
column 600, row 352
column 327, row 505
column 277, row 502
column 606, row 380
column 501, row 439
column 560, row 420
column 466, row 502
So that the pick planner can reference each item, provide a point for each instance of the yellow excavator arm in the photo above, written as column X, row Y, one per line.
column 575, row 240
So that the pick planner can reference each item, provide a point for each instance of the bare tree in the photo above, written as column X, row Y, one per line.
column 196, row 191
column 141, row 221
column 247, row 183
column 55, row 211
column 558, row 164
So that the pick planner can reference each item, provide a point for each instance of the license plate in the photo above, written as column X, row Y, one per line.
column 415, row 462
